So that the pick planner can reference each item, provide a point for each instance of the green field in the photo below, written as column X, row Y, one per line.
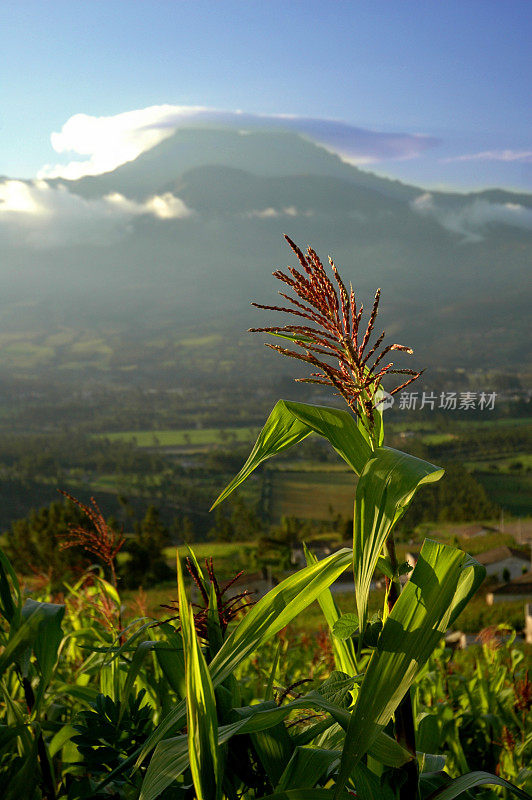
column 228, row 557
column 184, row 438
column 502, row 464
column 317, row 495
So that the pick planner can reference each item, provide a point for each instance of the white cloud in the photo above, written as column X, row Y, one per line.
column 471, row 219
column 107, row 142
column 273, row 213
column 111, row 141
column 49, row 216
column 494, row 155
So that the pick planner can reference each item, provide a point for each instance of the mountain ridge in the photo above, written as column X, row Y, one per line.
column 104, row 253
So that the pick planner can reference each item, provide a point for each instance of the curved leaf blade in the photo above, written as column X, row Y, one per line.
column 290, row 423
column 267, row 617
column 386, row 486
column 171, row 757
column 202, row 720
column 344, row 651
column 443, row 580
column 470, row 781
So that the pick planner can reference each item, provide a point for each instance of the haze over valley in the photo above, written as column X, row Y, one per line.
column 175, row 243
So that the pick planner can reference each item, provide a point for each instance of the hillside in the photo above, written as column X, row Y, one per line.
column 102, row 254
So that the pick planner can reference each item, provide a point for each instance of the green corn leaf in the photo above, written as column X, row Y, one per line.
column 62, row 736
column 202, row 721
column 470, row 781
column 274, row 749
column 261, row 624
column 290, row 423
column 171, row 757
column 10, row 732
column 307, row 794
column 170, row 658
column 214, row 630
column 139, row 656
column 384, row 491
column 23, row 782
column 268, row 694
column 344, row 651
column 9, row 586
column 40, row 630
column 442, row 582
column 275, row 610
column 307, row 766
column 46, row 640
column 368, row 785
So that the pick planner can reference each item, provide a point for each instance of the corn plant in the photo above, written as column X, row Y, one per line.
column 365, row 740
column 156, row 710
column 478, row 713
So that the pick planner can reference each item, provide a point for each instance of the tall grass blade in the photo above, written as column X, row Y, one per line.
column 202, row 721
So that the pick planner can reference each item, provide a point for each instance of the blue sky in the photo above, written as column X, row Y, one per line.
column 456, row 72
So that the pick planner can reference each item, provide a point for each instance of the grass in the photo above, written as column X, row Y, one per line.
column 504, row 465
column 437, row 438
column 184, row 438
column 228, row 557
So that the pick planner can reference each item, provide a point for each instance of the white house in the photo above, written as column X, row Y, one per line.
column 502, row 561
column 518, row 589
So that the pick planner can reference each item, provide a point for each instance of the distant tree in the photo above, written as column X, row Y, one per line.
column 34, row 543
column 183, row 530
column 276, row 548
column 458, row 497
column 223, row 529
column 237, row 521
column 246, row 522
column 147, row 565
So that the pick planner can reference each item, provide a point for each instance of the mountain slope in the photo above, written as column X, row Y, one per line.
column 451, row 266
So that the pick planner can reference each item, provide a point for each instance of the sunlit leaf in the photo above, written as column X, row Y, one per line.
column 462, row 784
column 202, row 721
column 384, row 491
column 345, row 626
column 290, row 423
column 442, row 582
column 343, row 650
column 171, row 756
